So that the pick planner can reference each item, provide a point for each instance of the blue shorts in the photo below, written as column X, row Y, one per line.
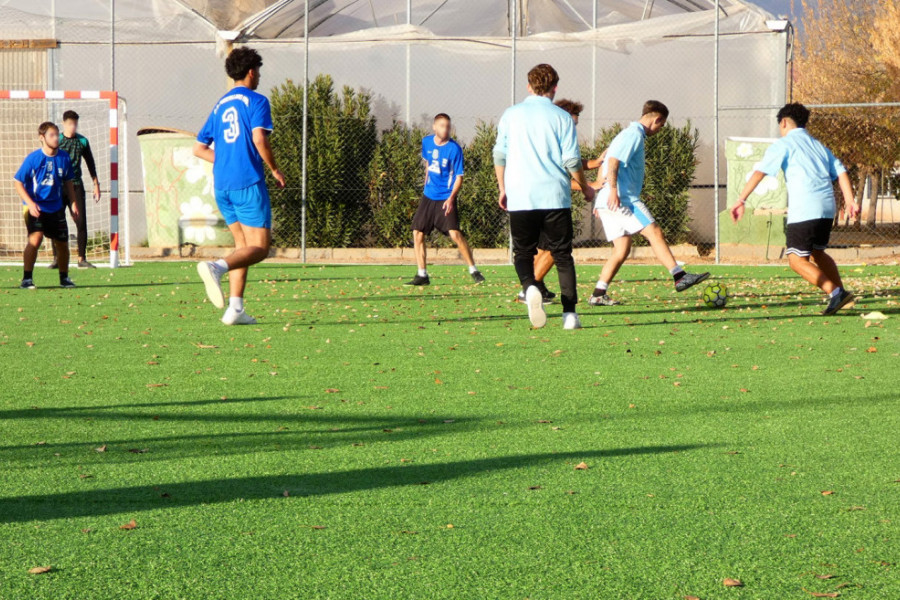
column 249, row 206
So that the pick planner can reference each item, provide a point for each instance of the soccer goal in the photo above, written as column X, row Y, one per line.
column 21, row 112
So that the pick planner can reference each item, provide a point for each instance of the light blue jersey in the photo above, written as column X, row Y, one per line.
column 445, row 164
column 810, row 170
column 536, row 142
column 230, row 126
column 43, row 178
column 628, row 149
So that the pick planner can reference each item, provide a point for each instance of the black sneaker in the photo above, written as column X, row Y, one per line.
column 27, row 284
column 419, row 280
column 477, row 277
column 84, row 264
column 690, row 280
column 838, row 302
column 603, row 300
column 66, row 283
column 53, row 265
column 545, row 293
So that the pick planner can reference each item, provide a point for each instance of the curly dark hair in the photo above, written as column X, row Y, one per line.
column 796, row 112
column 542, row 79
column 241, row 61
column 570, row 106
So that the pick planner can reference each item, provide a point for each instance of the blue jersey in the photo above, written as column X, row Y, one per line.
column 628, row 149
column 445, row 164
column 43, row 178
column 230, row 126
column 809, row 172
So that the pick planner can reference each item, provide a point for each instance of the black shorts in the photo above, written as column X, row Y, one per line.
column 543, row 242
column 430, row 216
column 804, row 237
column 52, row 224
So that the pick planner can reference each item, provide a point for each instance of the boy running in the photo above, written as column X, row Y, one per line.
column 810, row 170
column 621, row 210
column 39, row 182
column 444, row 172
column 78, row 147
column 239, row 126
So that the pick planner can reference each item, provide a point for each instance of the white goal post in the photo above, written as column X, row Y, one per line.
column 100, row 119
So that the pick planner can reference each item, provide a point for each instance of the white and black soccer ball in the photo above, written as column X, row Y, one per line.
column 715, row 295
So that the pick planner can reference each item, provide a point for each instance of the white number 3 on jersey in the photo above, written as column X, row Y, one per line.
column 230, row 118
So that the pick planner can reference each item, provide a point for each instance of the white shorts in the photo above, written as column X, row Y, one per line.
column 627, row 220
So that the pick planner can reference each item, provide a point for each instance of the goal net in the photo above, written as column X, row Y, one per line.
column 21, row 112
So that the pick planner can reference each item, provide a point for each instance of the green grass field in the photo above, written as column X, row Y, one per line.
column 367, row 440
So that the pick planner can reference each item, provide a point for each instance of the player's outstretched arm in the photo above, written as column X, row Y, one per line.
column 204, row 152
column 737, row 211
column 849, row 196
column 33, row 209
column 261, row 141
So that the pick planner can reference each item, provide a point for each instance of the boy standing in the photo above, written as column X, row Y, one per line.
column 40, row 182
column 78, row 147
column 810, row 170
column 535, row 157
column 444, row 172
column 239, row 125
column 621, row 210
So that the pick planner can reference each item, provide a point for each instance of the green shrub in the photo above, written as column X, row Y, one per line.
column 342, row 140
column 482, row 221
column 396, row 176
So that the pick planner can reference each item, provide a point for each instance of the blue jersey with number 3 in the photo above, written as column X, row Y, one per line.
column 445, row 164
column 230, row 128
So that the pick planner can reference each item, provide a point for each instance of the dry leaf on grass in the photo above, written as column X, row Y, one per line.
column 827, row 493
column 692, row 598
column 132, row 524
column 825, row 576
column 582, row 466
column 101, row 448
column 40, row 570
column 729, row 582
column 332, row 391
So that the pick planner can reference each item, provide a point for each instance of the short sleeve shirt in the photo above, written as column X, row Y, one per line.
column 43, row 178
column 628, row 149
column 445, row 164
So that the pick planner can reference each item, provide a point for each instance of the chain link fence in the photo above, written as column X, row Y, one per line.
column 372, row 95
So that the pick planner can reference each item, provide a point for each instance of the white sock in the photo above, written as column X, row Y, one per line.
column 472, row 269
column 221, row 266
column 236, row 302
column 602, row 285
column 423, row 272
column 676, row 270
column 835, row 292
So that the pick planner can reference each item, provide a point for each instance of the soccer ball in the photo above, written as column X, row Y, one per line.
column 715, row 295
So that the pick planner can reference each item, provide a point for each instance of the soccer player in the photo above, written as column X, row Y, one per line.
column 78, row 147
column 239, row 127
column 543, row 261
column 621, row 210
column 444, row 172
column 810, row 170
column 40, row 182
column 535, row 156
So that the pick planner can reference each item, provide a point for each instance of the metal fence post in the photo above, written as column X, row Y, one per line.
column 716, row 133
column 514, row 21
column 303, row 174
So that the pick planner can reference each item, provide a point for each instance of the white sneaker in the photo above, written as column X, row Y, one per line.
column 212, row 279
column 571, row 321
column 234, row 317
column 535, row 302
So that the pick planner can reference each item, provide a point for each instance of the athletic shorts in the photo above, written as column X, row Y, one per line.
column 430, row 216
column 804, row 237
column 249, row 206
column 626, row 221
column 52, row 224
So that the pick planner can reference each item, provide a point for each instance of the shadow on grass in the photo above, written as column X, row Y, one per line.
column 192, row 493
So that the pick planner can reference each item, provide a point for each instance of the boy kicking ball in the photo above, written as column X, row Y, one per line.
column 810, row 170
column 239, row 127
column 621, row 210
column 39, row 182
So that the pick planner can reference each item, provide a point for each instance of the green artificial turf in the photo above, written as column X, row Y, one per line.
column 369, row 440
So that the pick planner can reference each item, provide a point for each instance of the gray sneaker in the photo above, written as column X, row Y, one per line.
column 690, row 280
column 603, row 300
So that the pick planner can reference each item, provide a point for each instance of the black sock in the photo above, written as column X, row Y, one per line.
column 679, row 275
column 28, row 275
column 63, row 275
column 598, row 292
